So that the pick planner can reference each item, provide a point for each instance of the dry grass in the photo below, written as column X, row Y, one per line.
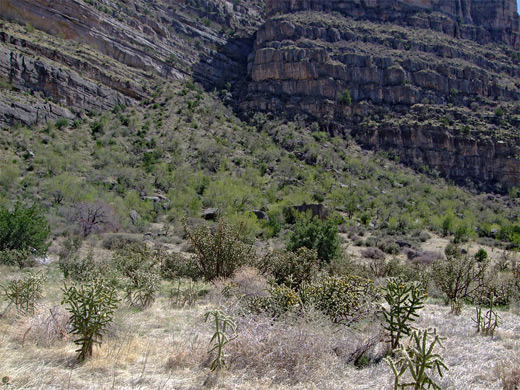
column 164, row 347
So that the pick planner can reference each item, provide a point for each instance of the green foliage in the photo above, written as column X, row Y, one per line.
column 140, row 267
column 291, row 268
column 345, row 98
column 458, row 276
column 23, row 292
column 223, row 324
column 24, row 228
column 91, row 307
column 61, row 123
column 175, row 265
column 20, row 257
column 344, row 299
column 220, row 252
column 419, row 360
column 314, row 233
column 404, row 299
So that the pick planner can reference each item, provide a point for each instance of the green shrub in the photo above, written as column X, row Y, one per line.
column 91, row 307
column 20, row 257
column 140, row 268
column 291, row 268
column 175, row 265
column 345, row 98
column 23, row 292
column 219, row 253
column 24, row 228
column 344, row 299
column 314, row 233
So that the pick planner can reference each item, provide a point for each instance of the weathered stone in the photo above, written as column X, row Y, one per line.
column 210, row 214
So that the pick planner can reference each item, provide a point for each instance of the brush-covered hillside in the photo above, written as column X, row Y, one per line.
column 240, row 195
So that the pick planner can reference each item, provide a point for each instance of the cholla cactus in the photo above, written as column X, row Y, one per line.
column 24, row 292
column 220, row 338
column 419, row 360
column 404, row 300
column 91, row 309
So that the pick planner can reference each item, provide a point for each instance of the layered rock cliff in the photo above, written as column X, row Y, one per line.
column 96, row 54
column 311, row 60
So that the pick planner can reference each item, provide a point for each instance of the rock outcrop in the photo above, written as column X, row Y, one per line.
column 481, row 20
column 112, row 52
column 311, row 60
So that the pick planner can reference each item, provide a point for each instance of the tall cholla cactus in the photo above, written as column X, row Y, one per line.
column 91, row 308
column 404, row 300
column 419, row 360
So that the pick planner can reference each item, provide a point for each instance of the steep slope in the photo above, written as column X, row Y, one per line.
column 97, row 54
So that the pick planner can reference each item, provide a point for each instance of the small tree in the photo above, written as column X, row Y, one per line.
column 459, row 275
column 219, row 253
column 94, row 217
column 314, row 233
column 345, row 98
column 24, row 228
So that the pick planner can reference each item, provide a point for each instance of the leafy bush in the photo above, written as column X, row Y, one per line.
column 219, row 253
column 23, row 292
column 21, row 257
column 24, row 228
column 175, row 265
column 91, row 309
column 291, row 268
column 314, row 233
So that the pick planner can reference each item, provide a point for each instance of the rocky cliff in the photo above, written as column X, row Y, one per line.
column 350, row 71
column 96, row 54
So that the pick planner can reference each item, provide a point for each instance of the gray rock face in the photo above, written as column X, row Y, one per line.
column 305, row 62
column 110, row 54
column 482, row 20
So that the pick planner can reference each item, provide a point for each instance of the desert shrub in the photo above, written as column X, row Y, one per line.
column 373, row 253
column 187, row 293
column 175, row 265
column 22, row 258
column 343, row 299
column 509, row 374
column 24, row 228
column 220, row 252
column 24, row 291
column 314, row 233
column 91, row 307
column 140, row 267
column 46, row 326
column 118, row 241
column 291, row 268
column 404, row 299
column 94, row 217
column 458, row 276
column 82, row 268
